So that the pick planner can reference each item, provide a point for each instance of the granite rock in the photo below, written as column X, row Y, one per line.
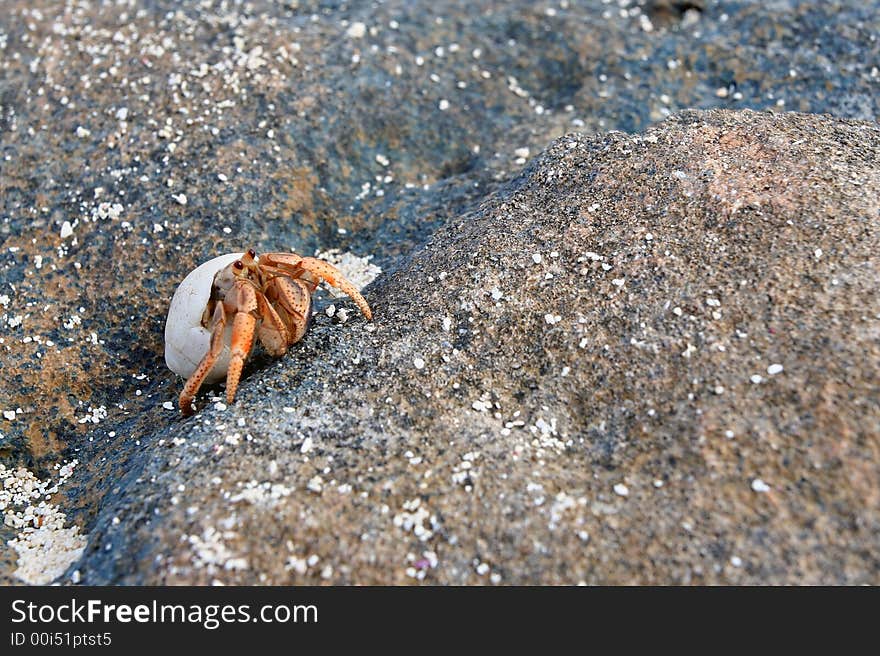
column 138, row 141
column 646, row 359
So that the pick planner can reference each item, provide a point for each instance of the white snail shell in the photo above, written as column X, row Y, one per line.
column 186, row 340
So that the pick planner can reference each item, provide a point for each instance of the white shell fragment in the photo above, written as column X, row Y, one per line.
column 186, row 340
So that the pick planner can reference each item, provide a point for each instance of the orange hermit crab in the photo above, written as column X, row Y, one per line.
column 225, row 303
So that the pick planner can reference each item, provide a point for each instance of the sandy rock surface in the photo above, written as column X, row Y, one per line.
column 596, row 356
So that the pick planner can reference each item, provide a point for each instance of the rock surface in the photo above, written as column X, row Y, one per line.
column 574, row 370
column 575, row 382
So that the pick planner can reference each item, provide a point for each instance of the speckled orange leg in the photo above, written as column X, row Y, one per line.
column 218, row 325
column 334, row 277
column 293, row 300
column 273, row 332
column 319, row 268
column 243, row 329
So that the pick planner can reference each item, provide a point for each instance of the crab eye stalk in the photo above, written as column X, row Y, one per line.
column 252, row 252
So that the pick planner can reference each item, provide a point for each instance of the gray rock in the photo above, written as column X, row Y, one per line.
column 121, row 121
column 599, row 399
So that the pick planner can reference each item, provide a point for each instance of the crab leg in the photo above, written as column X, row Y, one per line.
column 243, row 328
column 218, row 325
column 273, row 332
column 294, row 266
column 293, row 299
column 334, row 277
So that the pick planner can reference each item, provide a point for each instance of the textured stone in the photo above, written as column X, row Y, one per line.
column 136, row 142
column 519, row 436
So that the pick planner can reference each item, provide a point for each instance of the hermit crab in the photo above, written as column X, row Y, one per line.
column 225, row 303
